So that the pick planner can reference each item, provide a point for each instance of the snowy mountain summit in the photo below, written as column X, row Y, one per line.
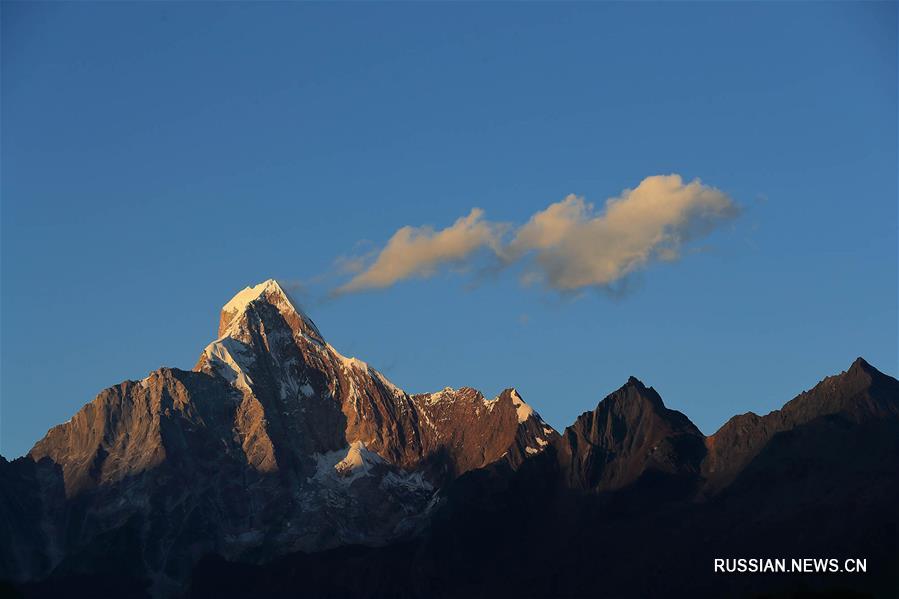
column 275, row 442
column 269, row 292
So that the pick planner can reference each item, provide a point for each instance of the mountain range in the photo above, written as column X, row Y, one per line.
column 279, row 467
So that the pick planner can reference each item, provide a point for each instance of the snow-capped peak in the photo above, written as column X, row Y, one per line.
column 239, row 302
column 272, row 292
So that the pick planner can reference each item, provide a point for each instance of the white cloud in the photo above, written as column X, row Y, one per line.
column 567, row 246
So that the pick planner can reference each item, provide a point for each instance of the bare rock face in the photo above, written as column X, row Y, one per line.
column 629, row 434
column 274, row 443
column 857, row 395
column 138, row 426
column 472, row 432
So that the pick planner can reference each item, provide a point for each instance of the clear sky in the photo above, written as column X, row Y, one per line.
column 158, row 157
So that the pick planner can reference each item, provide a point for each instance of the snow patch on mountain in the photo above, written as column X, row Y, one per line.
column 524, row 410
column 348, row 363
column 231, row 359
column 346, row 465
column 357, row 462
column 438, row 396
column 491, row 403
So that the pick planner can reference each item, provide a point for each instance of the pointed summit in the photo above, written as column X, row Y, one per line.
column 270, row 292
column 635, row 392
column 630, row 432
column 633, row 381
column 862, row 365
column 248, row 294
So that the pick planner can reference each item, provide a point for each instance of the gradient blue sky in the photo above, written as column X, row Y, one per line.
column 158, row 157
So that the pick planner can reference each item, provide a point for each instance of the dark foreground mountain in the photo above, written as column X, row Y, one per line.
column 278, row 467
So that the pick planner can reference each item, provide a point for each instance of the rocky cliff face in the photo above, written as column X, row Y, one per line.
column 860, row 394
column 629, row 434
column 277, row 445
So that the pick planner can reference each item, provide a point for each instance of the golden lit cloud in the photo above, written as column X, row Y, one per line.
column 418, row 251
column 568, row 245
column 575, row 248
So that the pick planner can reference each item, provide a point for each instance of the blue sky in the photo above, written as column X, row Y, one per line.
column 158, row 157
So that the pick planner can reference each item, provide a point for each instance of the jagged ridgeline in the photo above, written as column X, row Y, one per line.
column 276, row 461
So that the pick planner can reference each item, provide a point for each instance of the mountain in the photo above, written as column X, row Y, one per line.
column 275, row 442
column 629, row 434
column 858, row 395
column 278, row 466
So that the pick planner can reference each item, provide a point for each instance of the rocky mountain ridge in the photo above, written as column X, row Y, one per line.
column 275, row 445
